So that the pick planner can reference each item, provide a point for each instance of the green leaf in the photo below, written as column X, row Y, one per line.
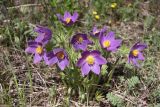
column 115, row 100
column 133, row 81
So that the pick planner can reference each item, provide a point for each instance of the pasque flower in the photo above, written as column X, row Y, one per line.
column 36, row 48
column 136, row 53
column 97, row 32
column 109, row 42
column 44, row 34
column 58, row 56
column 80, row 41
column 91, row 61
column 68, row 19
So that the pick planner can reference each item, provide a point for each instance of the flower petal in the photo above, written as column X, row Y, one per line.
column 37, row 58
column 67, row 15
column 140, row 56
column 52, row 61
column 85, row 69
column 30, row 50
column 60, row 17
column 63, row 64
column 100, row 60
column 95, row 68
column 40, row 37
column 81, row 62
column 75, row 16
column 110, row 36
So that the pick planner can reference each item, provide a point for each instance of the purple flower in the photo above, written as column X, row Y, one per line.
column 136, row 54
column 80, row 41
column 68, row 19
column 91, row 61
column 36, row 48
column 44, row 34
column 109, row 42
column 58, row 56
column 98, row 32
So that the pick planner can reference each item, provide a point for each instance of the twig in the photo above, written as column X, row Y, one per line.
column 26, row 5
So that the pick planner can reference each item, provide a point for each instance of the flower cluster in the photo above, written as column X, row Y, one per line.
column 91, row 60
column 37, row 48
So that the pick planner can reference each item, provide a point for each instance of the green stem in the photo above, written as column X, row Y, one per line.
column 112, row 71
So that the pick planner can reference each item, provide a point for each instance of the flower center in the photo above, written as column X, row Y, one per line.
column 90, row 60
column 79, row 39
column 39, row 49
column 106, row 43
column 135, row 52
column 68, row 20
column 60, row 55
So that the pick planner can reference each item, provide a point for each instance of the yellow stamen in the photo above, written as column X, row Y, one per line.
column 94, row 12
column 90, row 60
column 97, row 17
column 106, row 43
column 68, row 20
column 39, row 49
column 135, row 52
column 113, row 5
column 60, row 55
column 79, row 39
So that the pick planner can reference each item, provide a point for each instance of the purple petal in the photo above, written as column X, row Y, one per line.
column 75, row 16
column 52, row 61
column 85, row 69
column 81, row 46
column 134, row 61
column 140, row 56
column 110, row 36
column 81, row 62
column 63, row 64
column 95, row 53
column 85, row 53
column 40, row 38
column 100, row 60
column 139, row 46
column 56, row 50
column 37, row 58
column 30, row 50
column 96, row 69
column 67, row 15
column 32, row 43
column 94, row 29
column 59, row 17
column 114, row 45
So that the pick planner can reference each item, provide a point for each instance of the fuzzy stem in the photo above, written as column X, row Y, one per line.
column 112, row 71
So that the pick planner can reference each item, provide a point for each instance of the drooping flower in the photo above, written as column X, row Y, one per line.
column 58, row 56
column 36, row 48
column 97, row 32
column 68, row 19
column 80, row 41
column 109, row 42
column 91, row 61
column 44, row 34
column 136, row 53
